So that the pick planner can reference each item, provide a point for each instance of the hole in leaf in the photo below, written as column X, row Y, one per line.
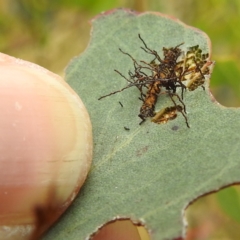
column 215, row 216
column 121, row 229
column 224, row 82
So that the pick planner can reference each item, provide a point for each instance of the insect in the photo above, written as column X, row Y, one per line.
column 165, row 69
column 174, row 70
column 196, row 66
column 137, row 79
column 148, row 107
column 169, row 113
column 164, row 77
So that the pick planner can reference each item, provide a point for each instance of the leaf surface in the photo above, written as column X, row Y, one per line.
column 151, row 172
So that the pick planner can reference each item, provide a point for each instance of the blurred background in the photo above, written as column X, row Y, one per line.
column 50, row 33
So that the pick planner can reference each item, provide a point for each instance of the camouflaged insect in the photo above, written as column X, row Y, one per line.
column 176, row 69
column 196, row 66
column 166, row 114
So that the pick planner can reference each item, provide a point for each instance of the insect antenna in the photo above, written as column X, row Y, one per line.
column 134, row 60
column 136, row 64
column 128, row 86
column 145, row 45
column 122, row 75
column 179, row 99
column 150, row 51
column 143, row 73
column 182, row 86
column 179, row 108
column 179, row 45
column 151, row 66
column 136, row 83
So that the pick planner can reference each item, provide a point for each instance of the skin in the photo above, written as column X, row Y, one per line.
column 29, row 139
column 45, row 136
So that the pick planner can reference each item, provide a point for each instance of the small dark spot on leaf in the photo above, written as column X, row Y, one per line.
column 126, row 128
column 141, row 151
column 175, row 128
column 120, row 104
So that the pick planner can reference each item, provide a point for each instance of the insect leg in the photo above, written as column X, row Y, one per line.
column 174, row 94
column 130, row 85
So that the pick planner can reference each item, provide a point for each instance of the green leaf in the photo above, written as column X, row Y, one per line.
column 229, row 201
column 225, row 80
column 151, row 172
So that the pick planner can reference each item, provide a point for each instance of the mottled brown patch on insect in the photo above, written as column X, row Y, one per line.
column 169, row 113
column 166, row 114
